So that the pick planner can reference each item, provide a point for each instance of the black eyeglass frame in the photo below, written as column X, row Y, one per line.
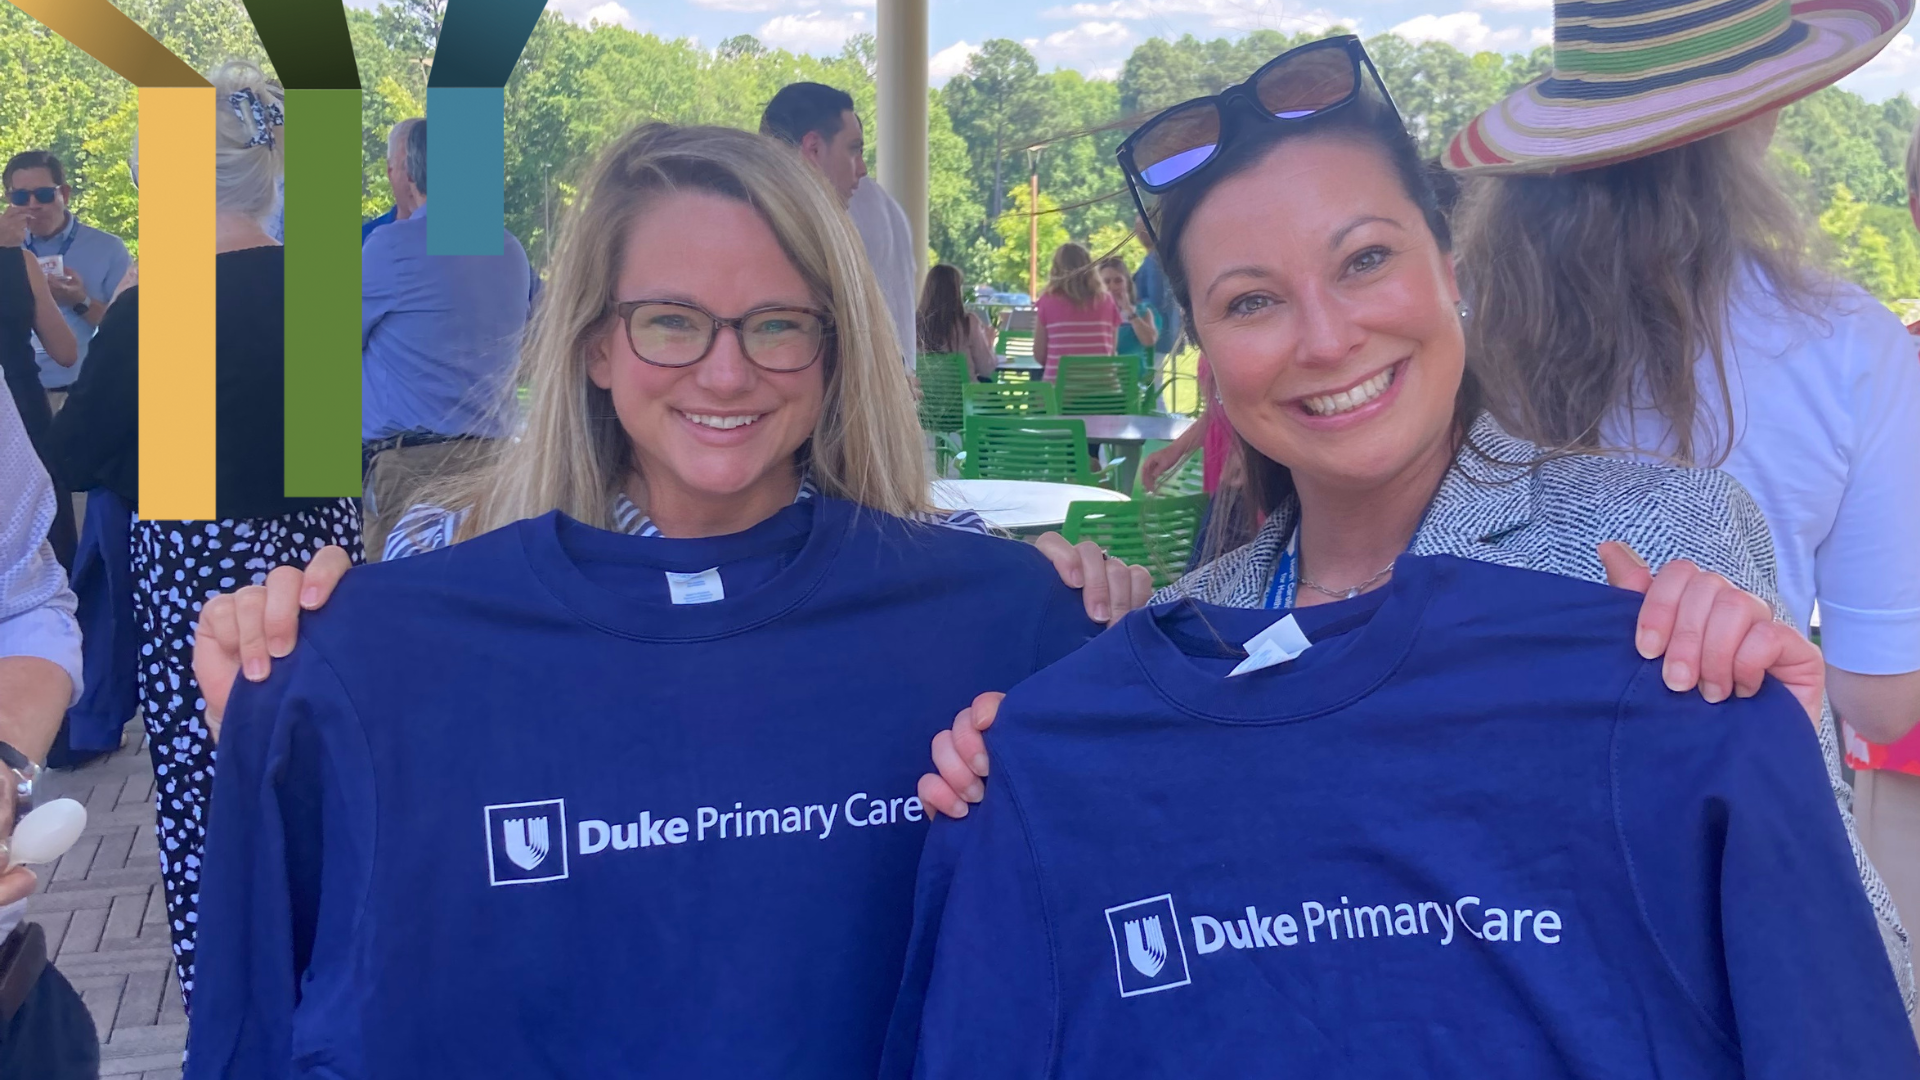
column 1228, row 118
column 626, row 309
column 45, row 196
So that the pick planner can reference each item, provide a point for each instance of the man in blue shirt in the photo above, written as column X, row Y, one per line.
column 405, row 198
column 83, row 264
column 1452, row 828
column 439, row 335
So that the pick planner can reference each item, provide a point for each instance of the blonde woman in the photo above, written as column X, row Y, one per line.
column 680, row 647
column 1074, row 315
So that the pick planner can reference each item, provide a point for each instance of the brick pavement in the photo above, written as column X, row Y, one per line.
column 105, row 916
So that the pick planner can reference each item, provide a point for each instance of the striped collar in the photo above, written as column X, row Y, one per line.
column 629, row 519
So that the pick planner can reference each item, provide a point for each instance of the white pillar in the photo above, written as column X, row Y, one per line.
column 902, row 108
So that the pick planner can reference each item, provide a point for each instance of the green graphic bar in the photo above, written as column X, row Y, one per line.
column 466, row 170
column 323, row 293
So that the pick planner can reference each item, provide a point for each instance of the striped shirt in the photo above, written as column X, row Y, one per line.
column 1076, row 331
column 428, row 528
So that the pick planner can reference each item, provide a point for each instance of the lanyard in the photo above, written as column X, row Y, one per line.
column 1286, row 575
column 72, row 230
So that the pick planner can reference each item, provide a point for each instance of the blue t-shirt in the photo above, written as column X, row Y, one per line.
column 508, row 810
column 1467, row 833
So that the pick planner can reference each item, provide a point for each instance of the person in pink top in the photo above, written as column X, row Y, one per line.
column 1075, row 316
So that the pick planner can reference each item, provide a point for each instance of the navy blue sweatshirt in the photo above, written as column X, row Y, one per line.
column 1467, row 833
column 508, row 810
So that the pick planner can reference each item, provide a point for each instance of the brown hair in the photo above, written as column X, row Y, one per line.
column 942, row 316
column 1604, row 287
column 1367, row 122
column 1072, row 276
column 1115, row 262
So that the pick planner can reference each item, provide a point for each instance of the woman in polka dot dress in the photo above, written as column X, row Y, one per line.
column 178, row 565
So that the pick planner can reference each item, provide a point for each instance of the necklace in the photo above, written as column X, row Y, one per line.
column 1345, row 594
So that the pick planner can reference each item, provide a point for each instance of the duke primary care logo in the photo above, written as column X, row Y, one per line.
column 1147, row 949
column 527, row 842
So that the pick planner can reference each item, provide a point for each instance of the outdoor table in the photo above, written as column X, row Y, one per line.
column 1017, row 505
column 1128, row 434
column 1019, row 363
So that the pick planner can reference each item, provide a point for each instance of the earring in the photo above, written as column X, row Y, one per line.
column 1463, row 309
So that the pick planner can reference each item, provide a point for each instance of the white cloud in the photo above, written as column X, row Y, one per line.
column 813, row 32
column 1513, row 5
column 1217, row 14
column 751, row 6
column 1089, row 36
column 1896, row 69
column 1467, row 31
column 868, row 4
column 613, row 14
column 949, row 62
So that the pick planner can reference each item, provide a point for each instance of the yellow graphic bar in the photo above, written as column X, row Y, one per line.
column 176, row 303
column 101, row 31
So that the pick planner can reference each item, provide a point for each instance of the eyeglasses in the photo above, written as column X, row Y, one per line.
column 1311, row 80
column 21, row 196
column 670, row 334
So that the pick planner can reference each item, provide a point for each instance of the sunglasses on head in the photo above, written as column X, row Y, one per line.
column 21, row 196
column 1312, row 80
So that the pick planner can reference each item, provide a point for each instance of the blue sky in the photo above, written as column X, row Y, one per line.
column 1095, row 36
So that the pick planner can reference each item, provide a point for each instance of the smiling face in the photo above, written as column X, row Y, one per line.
column 1115, row 282
column 721, row 432
column 1327, row 311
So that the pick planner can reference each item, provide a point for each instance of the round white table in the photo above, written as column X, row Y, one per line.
column 1017, row 505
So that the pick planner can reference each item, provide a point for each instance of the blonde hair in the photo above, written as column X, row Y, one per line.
column 1606, row 287
column 573, row 455
column 1073, row 275
column 246, row 176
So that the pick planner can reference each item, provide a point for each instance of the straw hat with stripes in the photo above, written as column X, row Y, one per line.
column 1634, row 77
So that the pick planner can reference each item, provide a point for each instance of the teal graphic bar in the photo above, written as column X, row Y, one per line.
column 323, row 293
column 466, row 170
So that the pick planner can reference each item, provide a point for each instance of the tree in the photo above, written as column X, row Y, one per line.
column 997, row 106
column 1009, row 266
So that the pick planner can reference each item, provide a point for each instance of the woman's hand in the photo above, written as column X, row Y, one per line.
column 16, row 882
column 242, row 632
column 1160, row 463
column 1109, row 587
column 1714, row 635
column 960, row 760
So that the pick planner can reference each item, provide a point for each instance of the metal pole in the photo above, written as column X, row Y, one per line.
column 1033, row 230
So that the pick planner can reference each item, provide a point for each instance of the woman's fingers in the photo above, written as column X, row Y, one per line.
column 1729, row 620
column 938, row 798
column 250, row 609
column 216, row 652
column 1625, row 568
column 281, row 612
column 953, row 771
column 323, row 572
column 1661, row 607
column 1098, row 594
column 1120, row 596
column 1682, row 668
column 1063, row 556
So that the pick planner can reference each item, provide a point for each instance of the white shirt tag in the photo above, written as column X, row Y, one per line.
column 701, row 588
column 1277, row 644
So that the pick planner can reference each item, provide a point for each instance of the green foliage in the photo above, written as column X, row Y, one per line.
column 1009, row 264
column 576, row 87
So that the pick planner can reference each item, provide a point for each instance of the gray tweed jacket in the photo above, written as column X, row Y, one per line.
column 1506, row 501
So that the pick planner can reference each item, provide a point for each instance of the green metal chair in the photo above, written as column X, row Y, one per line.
column 1156, row 533
column 1031, row 398
column 1012, row 343
column 1026, row 448
column 943, row 380
column 1099, row 385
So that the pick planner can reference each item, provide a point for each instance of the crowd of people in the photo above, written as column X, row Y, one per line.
column 666, row 603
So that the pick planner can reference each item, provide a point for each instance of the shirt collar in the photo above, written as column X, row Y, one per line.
column 65, row 235
column 629, row 519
